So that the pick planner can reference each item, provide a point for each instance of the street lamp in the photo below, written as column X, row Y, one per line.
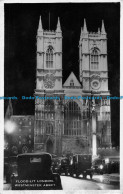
column 10, row 126
column 94, row 141
column 60, row 134
column 88, row 134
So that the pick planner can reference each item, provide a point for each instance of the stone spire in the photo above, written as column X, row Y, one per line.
column 98, row 30
column 9, row 111
column 85, row 27
column 103, row 28
column 58, row 29
column 40, row 25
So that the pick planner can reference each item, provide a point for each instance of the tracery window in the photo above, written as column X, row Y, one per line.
column 72, row 114
column 94, row 59
column 49, row 57
column 49, row 128
column 49, row 116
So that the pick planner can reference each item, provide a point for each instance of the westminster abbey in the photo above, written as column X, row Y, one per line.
column 64, row 125
column 70, row 117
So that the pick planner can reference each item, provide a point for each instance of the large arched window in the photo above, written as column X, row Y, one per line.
column 94, row 59
column 49, row 57
column 72, row 114
column 49, row 116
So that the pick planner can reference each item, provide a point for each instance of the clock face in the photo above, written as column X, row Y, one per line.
column 95, row 84
column 49, row 81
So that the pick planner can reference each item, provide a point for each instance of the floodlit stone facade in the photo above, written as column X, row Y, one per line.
column 63, row 119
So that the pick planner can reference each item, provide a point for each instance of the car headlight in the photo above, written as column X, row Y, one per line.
column 101, row 166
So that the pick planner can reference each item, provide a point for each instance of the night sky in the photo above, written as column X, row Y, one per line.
column 21, row 23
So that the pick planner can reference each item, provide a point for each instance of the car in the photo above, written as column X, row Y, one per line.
column 34, row 173
column 10, row 167
column 6, row 170
column 98, row 166
column 61, row 165
column 81, row 164
column 112, row 167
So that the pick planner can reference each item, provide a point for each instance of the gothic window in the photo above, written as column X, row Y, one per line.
column 49, row 128
column 49, row 106
column 71, row 83
column 97, row 102
column 84, row 114
column 104, row 102
column 94, row 59
column 49, row 115
column 49, row 57
column 72, row 115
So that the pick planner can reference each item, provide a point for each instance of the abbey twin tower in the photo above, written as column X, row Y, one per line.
column 64, row 111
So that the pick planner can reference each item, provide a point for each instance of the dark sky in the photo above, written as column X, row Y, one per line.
column 21, row 23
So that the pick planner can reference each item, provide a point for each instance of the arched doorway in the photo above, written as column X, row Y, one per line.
column 49, row 146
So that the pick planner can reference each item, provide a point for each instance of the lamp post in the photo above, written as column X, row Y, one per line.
column 94, row 140
column 88, row 139
column 9, row 131
column 59, row 132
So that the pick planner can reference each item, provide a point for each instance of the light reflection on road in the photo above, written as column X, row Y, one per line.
column 97, row 183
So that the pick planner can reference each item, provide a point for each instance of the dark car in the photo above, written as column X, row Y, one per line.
column 34, row 173
column 61, row 165
column 6, row 170
column 81, row 164
column 112, row 167
column 10, row 167
column 98, row 166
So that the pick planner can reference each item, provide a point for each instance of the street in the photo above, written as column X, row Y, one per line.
column 72, row 183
